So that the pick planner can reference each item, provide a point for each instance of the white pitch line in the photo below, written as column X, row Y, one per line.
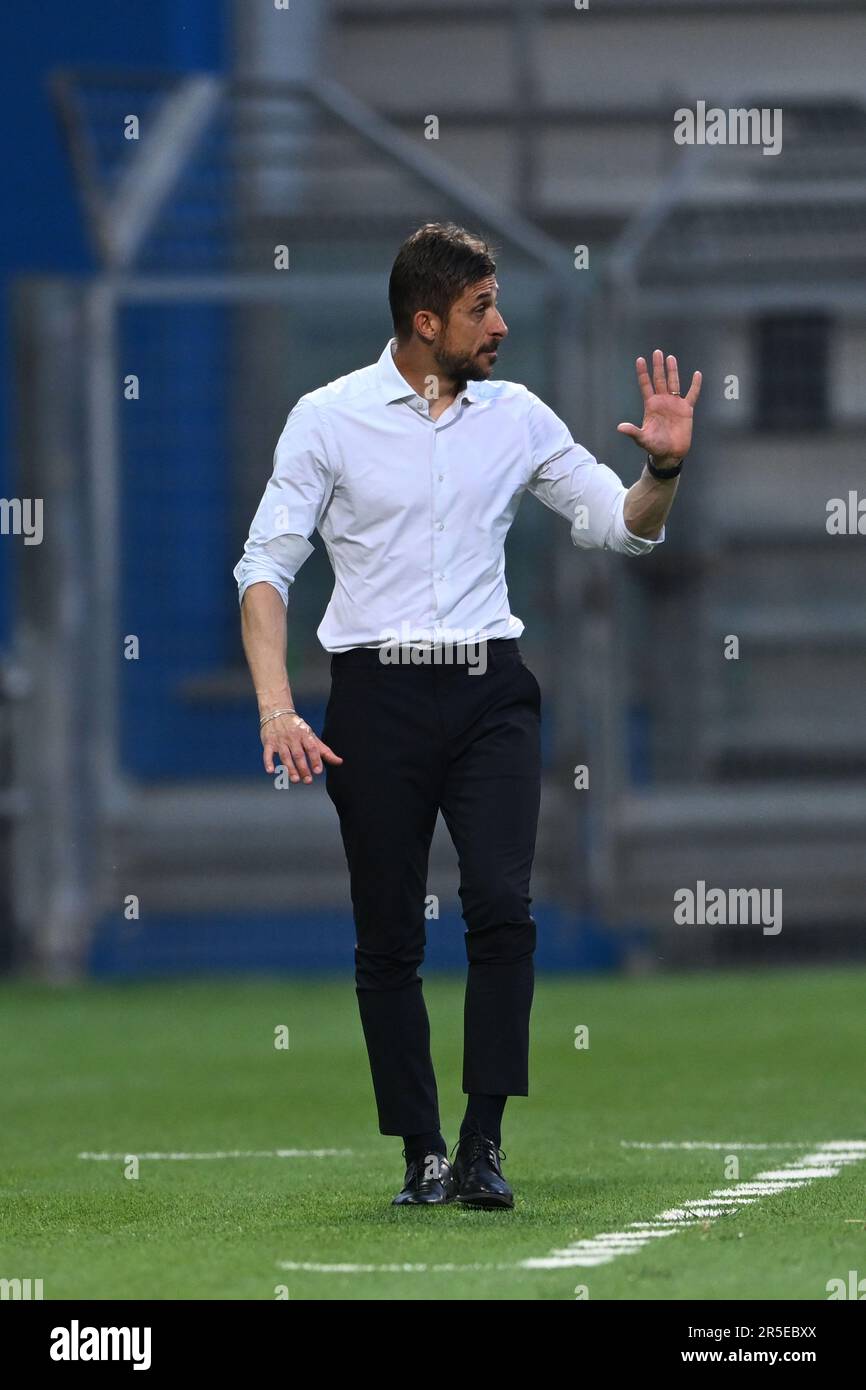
column 309, row 1267
column 855, row 1145
column 607, row 1246
column 221, row 1153
column 787, row 1175
column 702, row 1209
column 837, row 1155
column 717, row 1201
column 758, row 1189
column 656, row 1223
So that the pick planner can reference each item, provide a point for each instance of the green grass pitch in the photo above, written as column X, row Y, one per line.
column 192, row 1067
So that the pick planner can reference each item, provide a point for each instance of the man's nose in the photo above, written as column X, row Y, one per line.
column 500, row 327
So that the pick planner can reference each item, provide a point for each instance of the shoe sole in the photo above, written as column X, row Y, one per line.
column 486, row 1200
column 441, row 1202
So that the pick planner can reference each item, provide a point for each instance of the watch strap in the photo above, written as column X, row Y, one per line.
column 663, row 473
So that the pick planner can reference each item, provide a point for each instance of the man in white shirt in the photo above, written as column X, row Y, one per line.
column 411, row 470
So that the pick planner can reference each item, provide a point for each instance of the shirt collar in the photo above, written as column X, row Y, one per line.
column 395, row 387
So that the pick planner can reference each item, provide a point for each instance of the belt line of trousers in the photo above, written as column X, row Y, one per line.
column 417, row 739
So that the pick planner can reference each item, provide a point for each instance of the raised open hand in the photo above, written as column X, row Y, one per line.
column 666, row 432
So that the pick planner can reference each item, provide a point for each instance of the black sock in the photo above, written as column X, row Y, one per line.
column 484, row 1113
column 417, row 1145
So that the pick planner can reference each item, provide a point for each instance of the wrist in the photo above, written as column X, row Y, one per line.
column 278, row 713
column 274, row 697
column 664, row 467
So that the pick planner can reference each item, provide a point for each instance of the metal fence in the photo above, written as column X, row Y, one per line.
column 750, row 758
column 153, row 396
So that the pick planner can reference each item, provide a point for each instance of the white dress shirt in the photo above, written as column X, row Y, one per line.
column 414, row 511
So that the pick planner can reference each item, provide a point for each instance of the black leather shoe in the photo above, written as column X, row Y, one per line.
column 478, row 1174
column 428, row 1180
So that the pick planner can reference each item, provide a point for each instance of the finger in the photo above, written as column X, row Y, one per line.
column 659, row 382
column 695, row 389
column 631, row 430
column 284, row 753
column 300, row 760
column 328, row 753
column 673, row 376
column 311, row 748
column 643, row 381
column 268, row 757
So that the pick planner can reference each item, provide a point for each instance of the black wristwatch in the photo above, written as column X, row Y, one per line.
column 665, row 474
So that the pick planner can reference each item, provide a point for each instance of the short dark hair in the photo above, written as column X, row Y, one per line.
column 433, row 268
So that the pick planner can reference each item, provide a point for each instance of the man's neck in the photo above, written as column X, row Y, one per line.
column 419, row 371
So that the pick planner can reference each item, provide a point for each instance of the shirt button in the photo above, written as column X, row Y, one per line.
column 441, row 476
column 441, row 526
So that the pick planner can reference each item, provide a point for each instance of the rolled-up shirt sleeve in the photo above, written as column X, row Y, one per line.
column 569, row 480
column 292, row 505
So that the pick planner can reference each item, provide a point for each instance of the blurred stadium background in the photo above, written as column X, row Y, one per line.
column 154, row 258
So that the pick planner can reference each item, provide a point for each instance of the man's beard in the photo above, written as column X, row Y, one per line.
column 460, row 368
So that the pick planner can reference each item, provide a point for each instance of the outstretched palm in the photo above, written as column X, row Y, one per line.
column 666, row 432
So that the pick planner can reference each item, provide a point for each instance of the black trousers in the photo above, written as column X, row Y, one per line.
column 417, row 739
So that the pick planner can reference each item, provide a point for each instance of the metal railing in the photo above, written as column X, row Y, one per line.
column 98, row 826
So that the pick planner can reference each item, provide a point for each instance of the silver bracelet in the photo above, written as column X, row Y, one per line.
column 276, row 714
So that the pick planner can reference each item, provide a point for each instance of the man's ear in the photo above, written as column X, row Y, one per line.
column 427, row 325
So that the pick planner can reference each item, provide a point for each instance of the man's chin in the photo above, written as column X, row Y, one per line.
column 478, row 368
column 481, row 368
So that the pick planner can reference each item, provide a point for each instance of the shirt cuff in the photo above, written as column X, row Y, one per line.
column 250, row 576
column 625, row 541
column 274, row 562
